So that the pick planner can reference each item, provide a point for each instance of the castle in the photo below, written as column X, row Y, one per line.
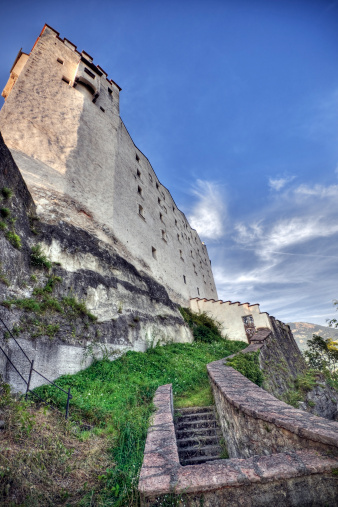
column 62, row 124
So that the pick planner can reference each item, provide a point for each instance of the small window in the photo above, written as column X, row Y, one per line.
column 103, row 110
column 161, row 217
column 159, row 201
column 181, row 256
column 184, row 279
column 153, row 252
column 139, row 190
column 195, row 269
column 174, row 209
column 175, row 222
column 198, row 291
column 140, row 211
column 157, row 186
column 164, row 236
column 137, row 157
column 65, row 79
column 110, row 90
column 138, row 173
column 150, row 177
column 60, row 61
column 191, row 254
column 178, row 237
column 87, row 71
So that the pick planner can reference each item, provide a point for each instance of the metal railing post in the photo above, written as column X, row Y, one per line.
column 29, row 378
column 67, row 406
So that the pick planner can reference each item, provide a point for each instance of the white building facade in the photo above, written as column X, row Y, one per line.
column 62, row 124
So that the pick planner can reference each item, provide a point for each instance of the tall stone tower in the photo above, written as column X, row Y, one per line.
column 61, row 122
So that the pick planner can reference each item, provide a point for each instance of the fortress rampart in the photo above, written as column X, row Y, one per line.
column 61, row 122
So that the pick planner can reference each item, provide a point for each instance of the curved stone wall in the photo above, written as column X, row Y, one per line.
column 297, row 464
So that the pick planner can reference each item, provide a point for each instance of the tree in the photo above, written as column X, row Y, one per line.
column 334, row 322
column 322, row 354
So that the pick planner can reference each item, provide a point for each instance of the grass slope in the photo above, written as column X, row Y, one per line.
column 116, row 397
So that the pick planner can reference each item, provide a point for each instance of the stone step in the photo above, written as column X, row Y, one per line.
column 207, row 416
column 198, row 441
column 208, row 450
column 197, row 460
column 187, row 433
column 191, row 425
column 193, row 410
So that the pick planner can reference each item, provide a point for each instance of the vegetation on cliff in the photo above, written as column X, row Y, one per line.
column 204, row 328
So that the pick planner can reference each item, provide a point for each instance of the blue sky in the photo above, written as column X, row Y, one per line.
column 235, row 103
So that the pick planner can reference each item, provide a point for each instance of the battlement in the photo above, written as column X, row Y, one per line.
column 84, row 55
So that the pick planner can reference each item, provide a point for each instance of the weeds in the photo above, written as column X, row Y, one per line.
column 3, row 278
column 14, row 239
column 204, row 328
column 248, row 365
column 43, row 459
column 4, row 212
column 39, row 259
column 6, row 192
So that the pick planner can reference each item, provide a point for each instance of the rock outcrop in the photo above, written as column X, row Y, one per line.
column 90, row 303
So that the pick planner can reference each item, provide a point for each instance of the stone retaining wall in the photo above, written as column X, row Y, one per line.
column 300, row 477
column 255, row 422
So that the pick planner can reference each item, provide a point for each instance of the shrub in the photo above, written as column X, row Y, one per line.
column 248, row 365
column 6, row 192
column 4, row 212
column 39, row 259
column 14, row 239
column 204, row 328
column 3, row 226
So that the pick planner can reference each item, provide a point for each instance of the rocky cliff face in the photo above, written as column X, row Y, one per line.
column 89, row 303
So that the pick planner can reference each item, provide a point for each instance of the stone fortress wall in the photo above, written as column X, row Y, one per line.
column 61, row 122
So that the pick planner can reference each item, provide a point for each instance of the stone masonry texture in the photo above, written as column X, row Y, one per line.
column 294, row 477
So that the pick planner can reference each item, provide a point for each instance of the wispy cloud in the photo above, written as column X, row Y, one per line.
column 284, row 256
column 208, row 214
column 278, row 183
column 318, row 190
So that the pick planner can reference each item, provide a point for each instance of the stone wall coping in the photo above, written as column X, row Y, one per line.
column 258, row 403
column 162, row 474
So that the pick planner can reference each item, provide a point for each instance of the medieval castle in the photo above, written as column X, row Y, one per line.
column 62, row 124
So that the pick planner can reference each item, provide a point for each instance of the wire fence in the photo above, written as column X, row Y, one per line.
column 31, row 371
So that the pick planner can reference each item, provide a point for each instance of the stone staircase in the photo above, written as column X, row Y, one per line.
column 198, row 435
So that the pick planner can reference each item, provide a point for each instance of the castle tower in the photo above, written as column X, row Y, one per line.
column 61, row 122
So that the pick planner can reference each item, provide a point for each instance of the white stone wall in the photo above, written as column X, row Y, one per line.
column 229, row 315
column 82, row 166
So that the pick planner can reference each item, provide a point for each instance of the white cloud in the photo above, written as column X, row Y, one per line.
column 278, row 183
column 283, row 233
column 318, row 190
column 208, row 214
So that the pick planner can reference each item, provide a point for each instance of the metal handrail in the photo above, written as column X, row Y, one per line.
column 28, row 390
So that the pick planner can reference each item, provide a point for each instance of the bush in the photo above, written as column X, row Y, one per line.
column 14, row 239
column 39, row 259
column 6, row 192
column 204, row 328
column 248, row 365
column 4, row 212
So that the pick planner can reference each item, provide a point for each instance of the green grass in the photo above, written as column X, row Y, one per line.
column 117, row 397
column 248, row 365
